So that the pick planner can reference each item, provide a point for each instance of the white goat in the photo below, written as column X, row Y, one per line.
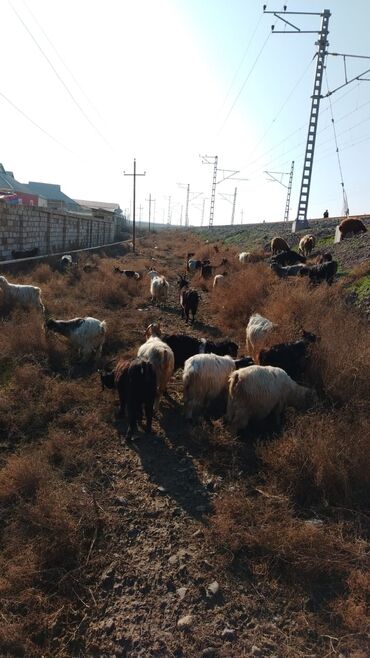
column 160, row 356
column 258, row 391
column 158, row 287
column 86, row 334
column 205, row 376
column 219, row 280
column 257, row 331
column 244, row 257
column 24, row 295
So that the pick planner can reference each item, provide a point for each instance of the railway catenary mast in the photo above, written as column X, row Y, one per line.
column 322, row 43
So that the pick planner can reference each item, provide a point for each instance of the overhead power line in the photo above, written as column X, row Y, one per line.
column 242, row 59
column 56, row 73
column 68, row 69
column 245, row 81
column 54, row 139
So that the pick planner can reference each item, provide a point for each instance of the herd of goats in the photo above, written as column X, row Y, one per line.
column 256, row 386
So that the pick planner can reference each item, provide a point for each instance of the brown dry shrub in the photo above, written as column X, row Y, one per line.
column 23, row 334
column 320, row 458
column 354, row 609
column 264, row 528
column 245, row 293
column 32, row 400
column 42, row 274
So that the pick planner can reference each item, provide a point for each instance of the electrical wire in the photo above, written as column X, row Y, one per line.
column 245, row 82
column 64, row 85
column 54, row 139
column 345, row 202
column 242, row 60
column 60, row 58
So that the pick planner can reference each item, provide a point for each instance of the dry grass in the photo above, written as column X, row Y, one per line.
column 57, row 428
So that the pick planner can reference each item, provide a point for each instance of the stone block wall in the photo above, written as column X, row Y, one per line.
column 52, row 231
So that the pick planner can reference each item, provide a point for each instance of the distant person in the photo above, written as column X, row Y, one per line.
column 326, row 214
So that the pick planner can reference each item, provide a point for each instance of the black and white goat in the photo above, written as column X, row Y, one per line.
column 85, row 334
column 131, row 274
column 136, row 385
column 189, row 299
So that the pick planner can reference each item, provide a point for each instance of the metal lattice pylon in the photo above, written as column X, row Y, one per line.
column 287, row 204
column 314, row 117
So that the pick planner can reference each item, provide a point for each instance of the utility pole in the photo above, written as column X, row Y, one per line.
column 154, row 200
column 233, row 210
column 204, row 205
column 169, row 211
column 134, row 174
column 241, row 216
column 231, row 173
column 287, row 203
column 322, row 43
column 150, row 207
column 182, row 208
column 272, row 178
column 206, row 159
column 187, row 187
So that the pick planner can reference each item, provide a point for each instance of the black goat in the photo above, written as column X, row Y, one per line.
column 207, row 270
column 189, row 299
column 136, row 384
column 324, row 258
column 291, row 357
column 184, row 347
column 323, row 272
column 28, row 253
column 288, row 258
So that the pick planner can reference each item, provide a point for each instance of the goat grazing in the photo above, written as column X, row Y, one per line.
column 158, row 287
column 207, row 270
column 205, row 377
column 258, row 391
column 279, row 244
column 351, row 226
column 323, row 272
column 27, row 253
column 24, row 295
column 130, row 274
column 184, row 347
column 291, row 357
column 65, row 262
column 244, row 257
column 219, row 280
column 306, row 245
column 289, row 270
column 136, row 384
column 85, row 334
column 160, row 356
column 323, row 258
column 189, row 299
column 257, row 331
column 289, row 257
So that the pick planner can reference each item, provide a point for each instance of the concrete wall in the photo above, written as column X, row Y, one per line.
column 52, row 231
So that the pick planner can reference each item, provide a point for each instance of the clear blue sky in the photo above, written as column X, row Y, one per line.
column 167, row 80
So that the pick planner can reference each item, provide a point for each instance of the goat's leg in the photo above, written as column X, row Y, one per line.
column 149, row 415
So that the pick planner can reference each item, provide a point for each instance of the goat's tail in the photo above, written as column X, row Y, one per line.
column 103, row 327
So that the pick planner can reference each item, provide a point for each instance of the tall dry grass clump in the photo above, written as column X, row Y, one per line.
column 264, row 535
column 321, row 458
column 245, row 293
